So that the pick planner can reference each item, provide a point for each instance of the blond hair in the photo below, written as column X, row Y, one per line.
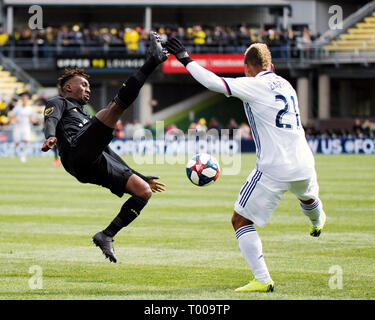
column 259, row 56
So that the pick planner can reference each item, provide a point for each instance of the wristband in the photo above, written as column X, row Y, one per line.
column 184, row 58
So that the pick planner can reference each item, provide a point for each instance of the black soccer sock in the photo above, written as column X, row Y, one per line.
column 130, row 89
column 129, row 211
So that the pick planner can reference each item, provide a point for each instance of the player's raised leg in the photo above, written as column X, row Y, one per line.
column 130, row 89
column 130, row 210
column 251, row 249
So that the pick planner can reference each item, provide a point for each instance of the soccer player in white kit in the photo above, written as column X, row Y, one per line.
column 284, row 159
column 22, row 117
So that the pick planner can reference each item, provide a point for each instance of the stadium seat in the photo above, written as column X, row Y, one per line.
column 361, row 37
column 10, row 85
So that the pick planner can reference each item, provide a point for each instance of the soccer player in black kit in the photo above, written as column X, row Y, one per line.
column 83, row 141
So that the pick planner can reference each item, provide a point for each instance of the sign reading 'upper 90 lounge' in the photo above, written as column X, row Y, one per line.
column 220, row 63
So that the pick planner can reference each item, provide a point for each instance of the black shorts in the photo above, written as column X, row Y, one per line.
column 90, row 160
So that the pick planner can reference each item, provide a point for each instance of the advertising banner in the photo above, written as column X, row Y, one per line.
column 218, row 63
column 214, row 146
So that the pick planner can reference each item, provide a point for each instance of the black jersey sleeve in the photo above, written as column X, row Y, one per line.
column 53, row 112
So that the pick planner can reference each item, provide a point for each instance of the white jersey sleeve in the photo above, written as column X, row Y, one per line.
column 207, row 78
column 244, row 88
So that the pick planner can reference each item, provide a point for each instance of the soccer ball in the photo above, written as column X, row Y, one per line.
column 202, row 169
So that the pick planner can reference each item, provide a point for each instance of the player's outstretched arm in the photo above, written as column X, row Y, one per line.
column 205, row 77
column 52, row 115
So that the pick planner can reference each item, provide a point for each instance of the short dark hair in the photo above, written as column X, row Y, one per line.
column 69, row 74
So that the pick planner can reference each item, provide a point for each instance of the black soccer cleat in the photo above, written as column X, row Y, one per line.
column 156, row 49
column 105, row 244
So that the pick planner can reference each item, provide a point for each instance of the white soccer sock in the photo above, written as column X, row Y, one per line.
column 313, row 211
column 251, row 249
column 24, row 152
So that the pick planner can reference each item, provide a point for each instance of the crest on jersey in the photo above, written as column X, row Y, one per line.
column 48, row 111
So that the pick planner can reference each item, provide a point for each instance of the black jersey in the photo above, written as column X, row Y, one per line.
column 83, row 143
column 63, row 119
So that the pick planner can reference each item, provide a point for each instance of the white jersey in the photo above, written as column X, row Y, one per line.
column 22, row 115
column 271, row 106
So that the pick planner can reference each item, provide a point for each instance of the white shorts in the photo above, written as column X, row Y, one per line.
column 260, row 195
column 21, row 133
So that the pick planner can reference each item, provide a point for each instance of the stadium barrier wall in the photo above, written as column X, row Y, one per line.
column 215, row 146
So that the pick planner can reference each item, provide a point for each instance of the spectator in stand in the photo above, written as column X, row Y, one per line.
column 143, row 38
column 243, row 37
column 63, row 36
column 150, row 128
column 284, row 44
column 76, row 35
column 357, row 128
column 189, row 35
column 199, row 37
column 118, row 130
column 87, row 37
column 172, row 130
column 201, row 125
column 128, row 130
column 232, row 41
column 25, row 42
column 254, row 36
column 134, row 129
column 311, row 130
column 15, row 36
column 105, row 38
column 366, row 129
column 214, row 124
column 192, row 126
column 163, row 35
column 131, row 38
column 245, row 131
column 219, row 38
column 304, row 41
column 3, row 37
column 180, row 35
column 3, row 113
column 45, row 40
column 232, row 126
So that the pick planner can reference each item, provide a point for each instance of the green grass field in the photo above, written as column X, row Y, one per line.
column 182, row 246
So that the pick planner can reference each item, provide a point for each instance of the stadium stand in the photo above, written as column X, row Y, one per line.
column 11, row 87
column 79, row 39
column 359, row 37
